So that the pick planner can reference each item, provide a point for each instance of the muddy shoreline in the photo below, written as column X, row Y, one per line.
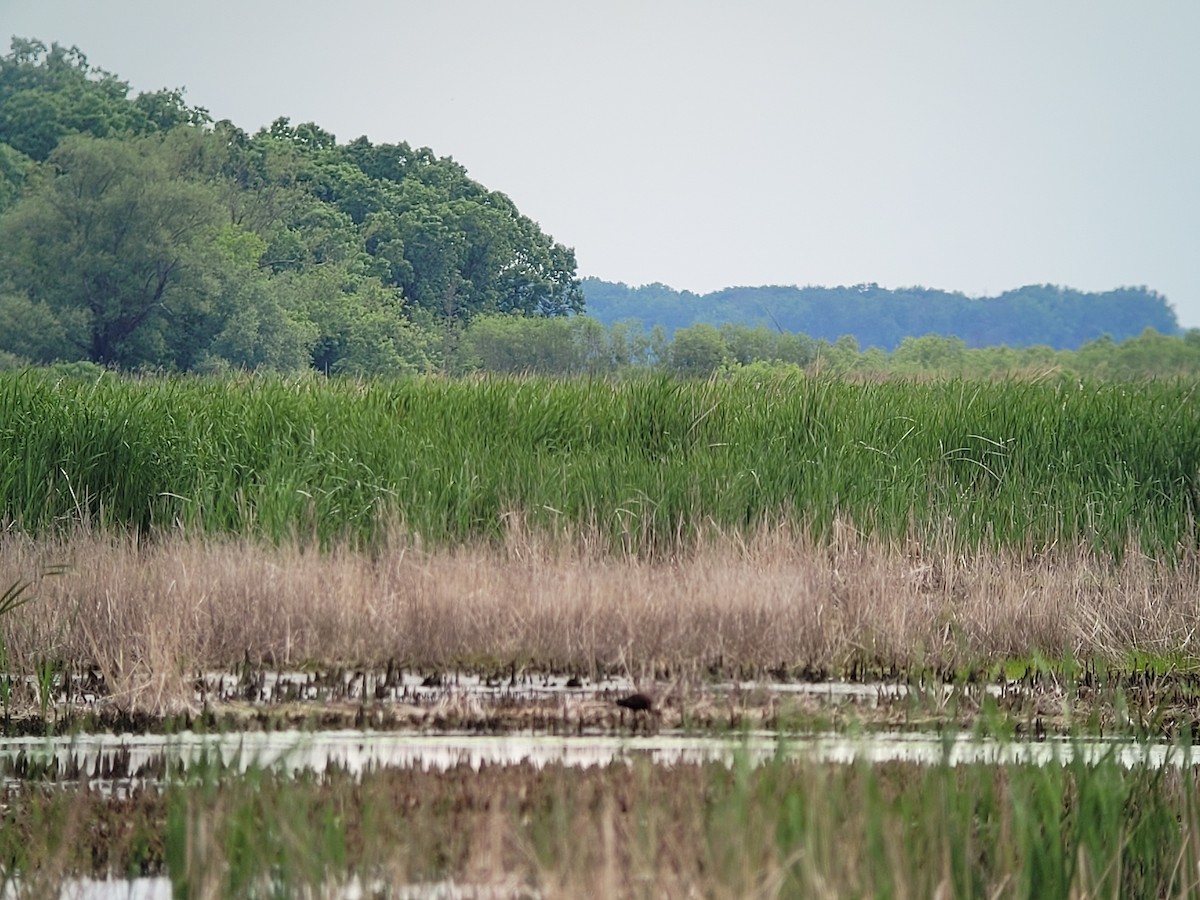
column 1133, row 703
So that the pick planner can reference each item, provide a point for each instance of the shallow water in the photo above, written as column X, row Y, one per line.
column 112, row 759
column 114, row 889
column 394, row 698
column 268, row 687
column 160, row 889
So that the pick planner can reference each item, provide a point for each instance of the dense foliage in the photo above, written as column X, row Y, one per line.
column 704, row 351
column 649, row 464
column 878, row 317
column 136, row 232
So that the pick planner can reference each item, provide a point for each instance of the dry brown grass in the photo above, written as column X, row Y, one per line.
column 150, row 615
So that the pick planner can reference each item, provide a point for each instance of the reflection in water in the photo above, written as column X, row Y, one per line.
column 113, row 757
column 160, row 889
column 116, row 889
column 265, row 687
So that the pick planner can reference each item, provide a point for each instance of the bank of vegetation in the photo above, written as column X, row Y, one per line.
column 141, row 621
column 647, row 465
column 784, row 829
column 581, row 345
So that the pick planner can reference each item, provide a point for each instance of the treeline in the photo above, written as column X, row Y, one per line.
column 877, row 317
column 577, row 345
column 136, row 232
column 580, row 345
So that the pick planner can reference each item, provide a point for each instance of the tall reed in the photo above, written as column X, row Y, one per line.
column 649, row 464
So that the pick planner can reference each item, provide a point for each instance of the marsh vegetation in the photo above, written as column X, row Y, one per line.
column 1019, row 557
column 646, row 467
column 141, row 620
column 786, row 829
column 985, row 561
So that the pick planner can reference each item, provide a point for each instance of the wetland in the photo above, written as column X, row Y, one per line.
column 520, row 637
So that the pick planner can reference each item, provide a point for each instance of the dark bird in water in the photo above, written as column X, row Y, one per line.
column 638, row 702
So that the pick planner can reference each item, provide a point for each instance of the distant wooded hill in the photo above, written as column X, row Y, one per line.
column 137, row 233
column 1062, row 318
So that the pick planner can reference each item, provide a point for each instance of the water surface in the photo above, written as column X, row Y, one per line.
column 106, row 756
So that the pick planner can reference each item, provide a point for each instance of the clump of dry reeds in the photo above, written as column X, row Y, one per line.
column 150, row 614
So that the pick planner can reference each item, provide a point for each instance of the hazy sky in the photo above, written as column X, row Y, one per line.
column 973, row 145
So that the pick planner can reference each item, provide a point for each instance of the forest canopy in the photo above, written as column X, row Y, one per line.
column 135, row 231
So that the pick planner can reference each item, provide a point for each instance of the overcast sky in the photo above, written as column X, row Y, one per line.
column 972, row 146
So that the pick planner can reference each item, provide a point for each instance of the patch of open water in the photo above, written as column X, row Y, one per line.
column 113, row 759
column 267, row 686
column 160, row 889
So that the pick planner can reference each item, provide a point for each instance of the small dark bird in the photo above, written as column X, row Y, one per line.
column 638, row 702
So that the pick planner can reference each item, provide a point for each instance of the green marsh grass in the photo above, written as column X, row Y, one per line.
column 649, row 465
column 783, row 829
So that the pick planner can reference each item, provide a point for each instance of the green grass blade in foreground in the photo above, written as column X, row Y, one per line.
column 784, row 828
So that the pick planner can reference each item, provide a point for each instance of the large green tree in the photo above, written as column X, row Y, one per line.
column 48, row 93
column 104, row 240
column 134, row 231
column 697, row 351
column 454, row 247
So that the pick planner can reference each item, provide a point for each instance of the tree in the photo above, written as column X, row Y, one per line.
column 230, row 312
column 14, row 168
column 102, row 240
column 166, row 110
column 629, row 345
column 454, row 248
column 360, row 324
column 123, row 224
column 930, row 353
column 697, row 351
column 47, row 93
column 839, row 357
column 878, row 317
column 32, row 331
